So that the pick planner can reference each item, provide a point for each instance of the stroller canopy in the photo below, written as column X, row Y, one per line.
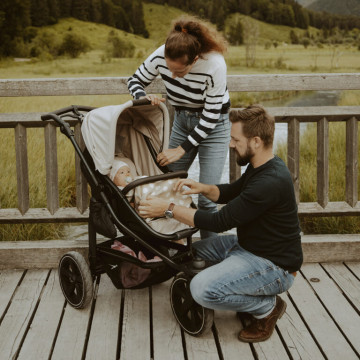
column 120, row 130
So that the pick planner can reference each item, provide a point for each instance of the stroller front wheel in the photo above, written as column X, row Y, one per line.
column 192, row 317
column 75, row 280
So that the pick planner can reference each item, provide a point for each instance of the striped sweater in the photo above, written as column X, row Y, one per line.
column 203, row 89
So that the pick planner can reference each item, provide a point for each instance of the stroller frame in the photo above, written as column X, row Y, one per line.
column 79, row 277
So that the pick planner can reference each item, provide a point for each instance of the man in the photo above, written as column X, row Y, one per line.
column 249, row 269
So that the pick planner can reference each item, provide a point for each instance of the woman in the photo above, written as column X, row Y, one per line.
column 193, row 69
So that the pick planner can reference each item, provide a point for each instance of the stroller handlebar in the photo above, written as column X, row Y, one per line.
column 73, row 108
column 140, row 102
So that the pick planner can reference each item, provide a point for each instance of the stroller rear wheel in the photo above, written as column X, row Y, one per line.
column 192, row 317
column 75, row 280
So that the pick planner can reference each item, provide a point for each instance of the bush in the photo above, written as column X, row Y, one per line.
column 74, row 45
column 119, row 48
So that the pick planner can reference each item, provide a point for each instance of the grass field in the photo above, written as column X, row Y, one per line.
column 283, row 59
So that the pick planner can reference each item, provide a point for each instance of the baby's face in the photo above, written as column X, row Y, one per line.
column 123, row 176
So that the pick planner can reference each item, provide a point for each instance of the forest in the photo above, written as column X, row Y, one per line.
column 20, row 18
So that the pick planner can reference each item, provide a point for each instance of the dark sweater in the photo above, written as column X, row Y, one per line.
column 262, row 205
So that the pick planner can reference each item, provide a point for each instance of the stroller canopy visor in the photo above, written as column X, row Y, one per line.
column 121, row 130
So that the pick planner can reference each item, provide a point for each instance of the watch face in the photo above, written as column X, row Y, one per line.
column 169, row 214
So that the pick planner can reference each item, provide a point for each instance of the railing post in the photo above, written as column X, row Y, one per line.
column 323, row 162
column 52, row 183
column 82, row 197
column 293, row 156
column 352, row 161
column 22, row 171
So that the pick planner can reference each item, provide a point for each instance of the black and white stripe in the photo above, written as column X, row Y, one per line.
column 203, row 88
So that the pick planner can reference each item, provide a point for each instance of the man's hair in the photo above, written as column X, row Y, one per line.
column 256, row 122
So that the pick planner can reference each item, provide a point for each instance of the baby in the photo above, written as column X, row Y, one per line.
column 121, row 176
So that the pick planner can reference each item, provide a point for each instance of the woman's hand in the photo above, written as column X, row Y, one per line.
column 170, row 155
column 152, row 207
column 155, row 100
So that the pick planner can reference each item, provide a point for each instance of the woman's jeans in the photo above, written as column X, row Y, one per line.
column 212, row 152
column 239, row 280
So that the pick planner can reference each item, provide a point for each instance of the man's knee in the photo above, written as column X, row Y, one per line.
column 201, row 292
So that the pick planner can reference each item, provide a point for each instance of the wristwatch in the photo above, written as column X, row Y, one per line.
column 169, row 212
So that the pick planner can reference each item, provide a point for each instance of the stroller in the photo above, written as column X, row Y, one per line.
column 139, row 131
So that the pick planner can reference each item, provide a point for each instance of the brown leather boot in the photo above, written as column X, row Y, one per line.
column 262, row 329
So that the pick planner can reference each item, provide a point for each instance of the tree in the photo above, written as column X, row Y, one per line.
column 235, row 33
column 73, row 45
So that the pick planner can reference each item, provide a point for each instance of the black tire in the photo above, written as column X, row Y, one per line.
column 75, row 280
column 192, row 317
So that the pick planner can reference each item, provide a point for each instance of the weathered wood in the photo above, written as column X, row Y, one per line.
column 82, row 196
column 17, row 318
column 299, row 342
column 334, row 301
column 322, row 188
column 166, row 331
column 71, row 338
column 328, row 336
column 52, row 185
column 346, row 281
column 105, row 324
column 40, row 337
column 228, row 328
column 22, row 171
column 41, row 215
column 334, row 208
column 352, row 166
column 9, row 280
column 201, row 350
column 135, row 340
column 293, row 157
column 328, row 248
column 117, row 85
column 354, row 267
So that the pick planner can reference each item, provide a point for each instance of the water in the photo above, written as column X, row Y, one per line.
column 318, row 98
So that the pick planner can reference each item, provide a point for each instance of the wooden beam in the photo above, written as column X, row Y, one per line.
column 293, row 156
column 323, row 162
column 47, row 253
column 352, row 166
column 22, row 171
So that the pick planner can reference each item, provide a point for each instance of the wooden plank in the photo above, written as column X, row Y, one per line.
column 335, row 208
column 328, row 336
column 41, row 215
column 334, row 301
column 52, row 185
column 281, row 114
column 22, row 170
column 322, row 188
column 293, row 157
column 105, row 324
column 201, row 348
column 354, row 267
column 300, row 344
column 117, row 85
column 40, row 337
column 228, row 328
column 9, row 280
column 18, row 317
column 71, row 338
column 135, row 339
column 348, row 283
column 82, row 196
column 352, row 166
column 166, row 331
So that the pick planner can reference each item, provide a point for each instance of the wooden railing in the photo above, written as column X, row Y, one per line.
column 242, row 83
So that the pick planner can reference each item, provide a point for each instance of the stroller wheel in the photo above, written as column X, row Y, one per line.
column 75, row 280
column 192, row 317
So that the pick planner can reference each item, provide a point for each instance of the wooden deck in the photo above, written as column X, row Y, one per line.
column 322, row 321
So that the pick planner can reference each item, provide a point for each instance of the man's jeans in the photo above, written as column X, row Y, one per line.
column 239, row 280
column 212, row 152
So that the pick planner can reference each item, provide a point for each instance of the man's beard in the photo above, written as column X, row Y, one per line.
column 243, row 160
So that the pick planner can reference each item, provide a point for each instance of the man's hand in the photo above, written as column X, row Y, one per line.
column 155, row 100
column 152, row 207
column 170, row 155
column 212, row 192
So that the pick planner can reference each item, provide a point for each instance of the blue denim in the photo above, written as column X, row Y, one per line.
column 212, row 152
column 238, row 280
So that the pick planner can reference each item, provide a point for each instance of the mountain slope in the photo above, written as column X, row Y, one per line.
column 341, row 7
